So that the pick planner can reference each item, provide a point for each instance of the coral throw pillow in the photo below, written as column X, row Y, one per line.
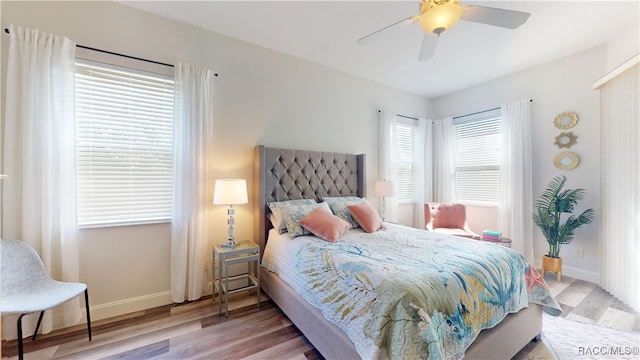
column 325, row 225
column 366, row 216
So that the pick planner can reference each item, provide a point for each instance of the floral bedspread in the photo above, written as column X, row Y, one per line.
column 406, row 293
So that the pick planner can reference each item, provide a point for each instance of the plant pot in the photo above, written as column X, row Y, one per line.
column 552, row 264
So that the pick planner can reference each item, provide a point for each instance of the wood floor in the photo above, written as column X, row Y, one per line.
column 586, row 302
column 195, row 331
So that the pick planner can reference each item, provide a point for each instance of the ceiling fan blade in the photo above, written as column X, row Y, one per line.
column 378, row 33
column 428, row 47
column 509, row 19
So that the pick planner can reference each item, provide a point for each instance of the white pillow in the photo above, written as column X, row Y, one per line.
column 338, row 205
column 294, row 213
column 278, row 220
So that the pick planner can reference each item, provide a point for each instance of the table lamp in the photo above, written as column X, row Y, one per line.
column 230, row 192
column 384, row 188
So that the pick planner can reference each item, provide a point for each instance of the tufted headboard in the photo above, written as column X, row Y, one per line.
column 285, row 174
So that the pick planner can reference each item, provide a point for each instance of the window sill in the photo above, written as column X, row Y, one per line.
column 100, row 226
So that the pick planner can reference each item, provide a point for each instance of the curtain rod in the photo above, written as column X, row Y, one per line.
column 403, row 116
column 6, row 30
column 456, row 117
column 480, row 112
column 407, row 117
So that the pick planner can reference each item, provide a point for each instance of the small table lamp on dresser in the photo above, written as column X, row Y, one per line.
column 230, row 192
column 384, row 189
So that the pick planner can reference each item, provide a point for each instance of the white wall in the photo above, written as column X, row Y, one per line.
column 557, row 86
column 623, row 46
column 261, row 97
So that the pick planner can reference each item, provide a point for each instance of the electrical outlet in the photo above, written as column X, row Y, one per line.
column 578, row 252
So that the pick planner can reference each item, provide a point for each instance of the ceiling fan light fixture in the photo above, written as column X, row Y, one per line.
column 439, row 18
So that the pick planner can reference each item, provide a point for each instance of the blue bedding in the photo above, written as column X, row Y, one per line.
column 407, row 293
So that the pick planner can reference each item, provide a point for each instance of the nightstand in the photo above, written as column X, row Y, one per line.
column 246, row 252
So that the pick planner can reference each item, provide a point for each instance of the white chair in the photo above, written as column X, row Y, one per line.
column 28, row 288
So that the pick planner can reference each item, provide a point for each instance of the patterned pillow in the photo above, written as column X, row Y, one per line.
column 293, row 214
column 278, row 220
column 339, row 207
column 366, row 216
column 325, row 225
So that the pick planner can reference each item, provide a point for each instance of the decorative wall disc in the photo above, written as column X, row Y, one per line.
column 566, row 140
column 565, row 120
column 566, row 160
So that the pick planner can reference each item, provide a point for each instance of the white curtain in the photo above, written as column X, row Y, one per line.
column 444, row 161
column 39, row 155
column 516, row 199
column 193, row 130
column 620, row 214
column 387, row 159
column 424, row 171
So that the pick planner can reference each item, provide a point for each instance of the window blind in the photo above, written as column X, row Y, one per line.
column 478, row 157
column 124, row 150
column 406, row 163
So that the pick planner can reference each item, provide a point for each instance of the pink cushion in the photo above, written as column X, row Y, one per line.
column 448, row 215
column 325, row 225
column 366, row 216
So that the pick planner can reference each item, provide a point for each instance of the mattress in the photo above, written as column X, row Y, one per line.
column 403, row 292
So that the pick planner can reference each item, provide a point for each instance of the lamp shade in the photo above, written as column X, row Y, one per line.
column 439, row 18
column 230, row 192
column 384, row 188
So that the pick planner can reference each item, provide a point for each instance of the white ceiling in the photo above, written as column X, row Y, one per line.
column 325, row 32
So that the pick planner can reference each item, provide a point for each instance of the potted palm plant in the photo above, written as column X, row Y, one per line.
column 554, row 217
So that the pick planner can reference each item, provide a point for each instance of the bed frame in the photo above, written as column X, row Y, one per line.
column 285, row 174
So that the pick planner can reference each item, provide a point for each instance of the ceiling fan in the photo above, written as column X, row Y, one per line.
column 438, row 16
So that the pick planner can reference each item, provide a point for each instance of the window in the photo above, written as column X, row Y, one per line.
column 406, row 134
column 124, row 150
column 478, row 157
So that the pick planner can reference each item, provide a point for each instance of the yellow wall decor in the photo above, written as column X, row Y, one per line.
column 566, row 140
column 565, row 120
column 566, row 160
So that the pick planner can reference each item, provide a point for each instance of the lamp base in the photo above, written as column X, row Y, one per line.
column 231, row 243
column 231, row 236
column 384, row 203
column 230, row 246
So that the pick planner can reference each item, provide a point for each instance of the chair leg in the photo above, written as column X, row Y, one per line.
column 38, row 325
column 20, row 349
column 86, row 303
column 20, row 346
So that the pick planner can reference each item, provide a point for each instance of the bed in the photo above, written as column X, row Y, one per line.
column 285, row 174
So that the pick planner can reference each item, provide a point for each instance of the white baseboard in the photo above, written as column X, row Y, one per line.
column 121, row 307
column 126, row 306
column 107, row 310
column 577, row 273
column 98, row 312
